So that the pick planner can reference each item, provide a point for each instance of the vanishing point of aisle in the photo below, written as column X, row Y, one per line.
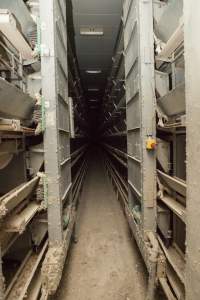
column 104, row 264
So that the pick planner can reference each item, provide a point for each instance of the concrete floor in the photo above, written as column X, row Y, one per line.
column 105, row 263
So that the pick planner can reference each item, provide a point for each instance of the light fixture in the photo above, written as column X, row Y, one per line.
column 91, row 31
column 93, row 90
column 93, row 71
column 94, row 100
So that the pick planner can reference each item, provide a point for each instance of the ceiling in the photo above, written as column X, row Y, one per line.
column 95, row 52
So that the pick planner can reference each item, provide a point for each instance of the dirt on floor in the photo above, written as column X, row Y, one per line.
column 105, row 263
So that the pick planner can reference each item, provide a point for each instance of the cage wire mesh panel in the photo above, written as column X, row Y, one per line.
column 55, row 96
column 140, row 101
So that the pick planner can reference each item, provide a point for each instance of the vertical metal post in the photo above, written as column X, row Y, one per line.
column 51, row 130
column 141, row 127
column 192, row 80
column 148, row 108
column 55, row 93
column 140, row 99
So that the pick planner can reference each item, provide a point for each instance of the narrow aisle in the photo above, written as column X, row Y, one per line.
column 104, row 264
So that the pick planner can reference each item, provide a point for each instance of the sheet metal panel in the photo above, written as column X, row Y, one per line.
column 174, row 102
column 165, row 21
column 14, row 103
column 20, row 11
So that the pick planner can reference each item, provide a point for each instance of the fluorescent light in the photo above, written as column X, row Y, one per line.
column 94, row 100
column 93, row 90
column 93, row 71
column 91, row 31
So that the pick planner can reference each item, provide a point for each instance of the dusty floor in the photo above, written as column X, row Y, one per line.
column 104, row 264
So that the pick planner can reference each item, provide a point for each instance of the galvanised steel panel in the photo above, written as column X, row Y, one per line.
column 132, row 84
column 61, row 55
column 167, row 19
column 61, row 19
column 62, row 90
column 65, row 179
column 64, row 147
column 140, row 99
column 133, row 118
column 63, row 120
column 55, row 94
column 135, row 174
column 130, row 47
column 130, row 25
column 134, row 149
column 126, row 10
column 21, row 12
column 131, row 53
column 14, row 103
